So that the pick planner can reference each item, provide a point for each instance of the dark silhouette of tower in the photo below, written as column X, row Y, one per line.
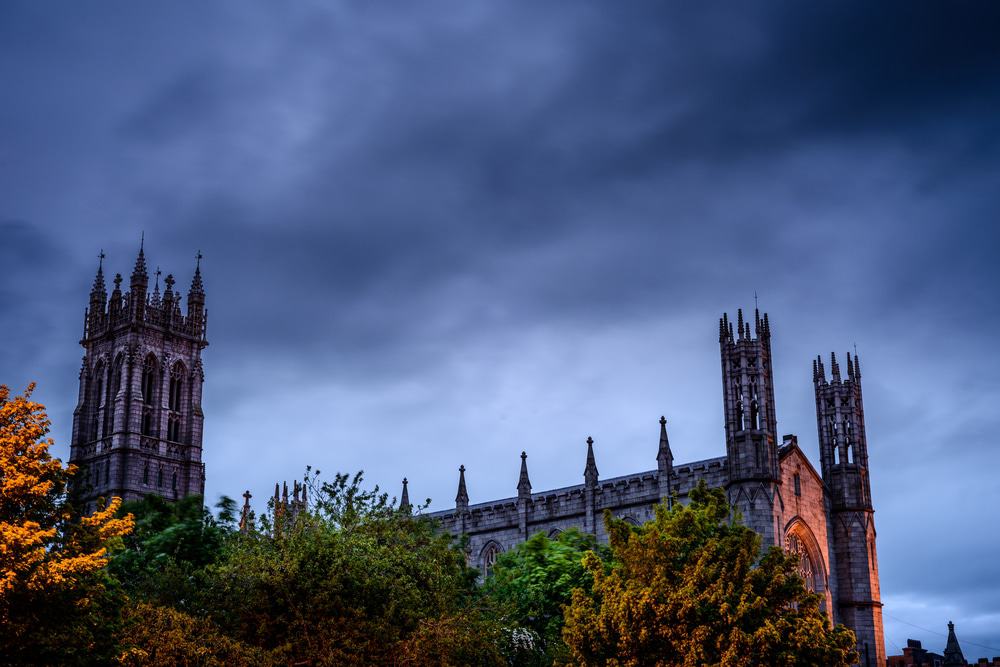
column 843, row 451
column 137, row 427
column 753, row 485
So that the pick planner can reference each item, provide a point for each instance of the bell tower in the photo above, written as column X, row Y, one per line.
column 753, row 485
column 137, row 427
column 843, row 452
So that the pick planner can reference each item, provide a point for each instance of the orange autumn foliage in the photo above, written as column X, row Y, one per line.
column 42, row 548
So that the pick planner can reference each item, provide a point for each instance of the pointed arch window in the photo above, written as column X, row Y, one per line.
column 107, row 472
column 159, row 478
column 176, row 386
column 754, row 406
column 488, row 558
column 806, row 567
column 149, row 373
column 738, row 390
column 145, row 475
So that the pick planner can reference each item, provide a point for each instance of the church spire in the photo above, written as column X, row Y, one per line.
column 952, row 651
column 138, row 284
column 523, row 483
column 664, row 454
column 590, row 471
column 196, row 300
column 404, row 498
column 665, row 463
column 99, row 287
column 462, row 497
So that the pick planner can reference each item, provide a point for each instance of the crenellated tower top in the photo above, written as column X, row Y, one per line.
column 136, row 307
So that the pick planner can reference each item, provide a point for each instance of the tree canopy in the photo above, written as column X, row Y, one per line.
column 692, row 588
column 52, row 579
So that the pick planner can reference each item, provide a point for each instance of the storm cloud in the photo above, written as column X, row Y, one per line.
column 440, row 233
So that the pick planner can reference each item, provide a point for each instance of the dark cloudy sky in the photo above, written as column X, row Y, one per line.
column 440, row 233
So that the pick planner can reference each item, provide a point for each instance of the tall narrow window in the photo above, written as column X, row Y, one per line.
column 738, row 390
column 754, row 406
column 489, row 558
column 147, row 422
column 798, row 485
column 97, row 398
column 107, row 472
column 148, row 380
column 145, row 474
column 176, row 386
column 173, row 483
column 159, row 478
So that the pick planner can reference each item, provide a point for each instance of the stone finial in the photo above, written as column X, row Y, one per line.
column 739, row 322
column 98, row 287
column 246, row 520
column 590, row 471
column 857, row 366
column 523, row 483
column 664, row 456
column 197, row 288
column 834, row 367
column 952, row 650
column 462, row 497
column 404, row 498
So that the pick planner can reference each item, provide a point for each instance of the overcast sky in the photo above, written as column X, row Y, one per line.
column 440, row 233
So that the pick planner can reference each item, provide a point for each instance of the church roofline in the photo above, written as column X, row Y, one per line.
column 681, row 470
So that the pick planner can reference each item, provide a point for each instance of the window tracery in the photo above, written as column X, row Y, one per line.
column 806, row 567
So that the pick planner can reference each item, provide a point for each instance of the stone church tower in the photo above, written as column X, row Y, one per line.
column 843, row 452
column 753, row 481
column 137, row 426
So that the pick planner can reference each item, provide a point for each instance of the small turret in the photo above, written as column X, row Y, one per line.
column 196, row 299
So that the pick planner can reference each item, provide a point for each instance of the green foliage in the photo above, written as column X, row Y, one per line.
column 691, row 588
column 535, row 580
column 342, row 583
column 170, row 546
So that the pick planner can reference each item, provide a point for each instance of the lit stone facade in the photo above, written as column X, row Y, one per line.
column 826, row 517
column 137, row 427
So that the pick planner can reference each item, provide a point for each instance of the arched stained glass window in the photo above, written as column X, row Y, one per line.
column 806, row 568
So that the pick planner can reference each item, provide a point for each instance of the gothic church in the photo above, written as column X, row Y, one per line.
column 825, row 517
column 137, row 430
column 138, row 421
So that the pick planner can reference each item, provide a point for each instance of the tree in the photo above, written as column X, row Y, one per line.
column 535, row 580
column 53, row 588
column 691, row 588
column 171, row 545
column 344, row 581
column 155, row 636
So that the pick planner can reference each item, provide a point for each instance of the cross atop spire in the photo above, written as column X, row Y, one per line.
column 404, row 498
column 196, row 285
column 99, row 278
column 663, row 454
